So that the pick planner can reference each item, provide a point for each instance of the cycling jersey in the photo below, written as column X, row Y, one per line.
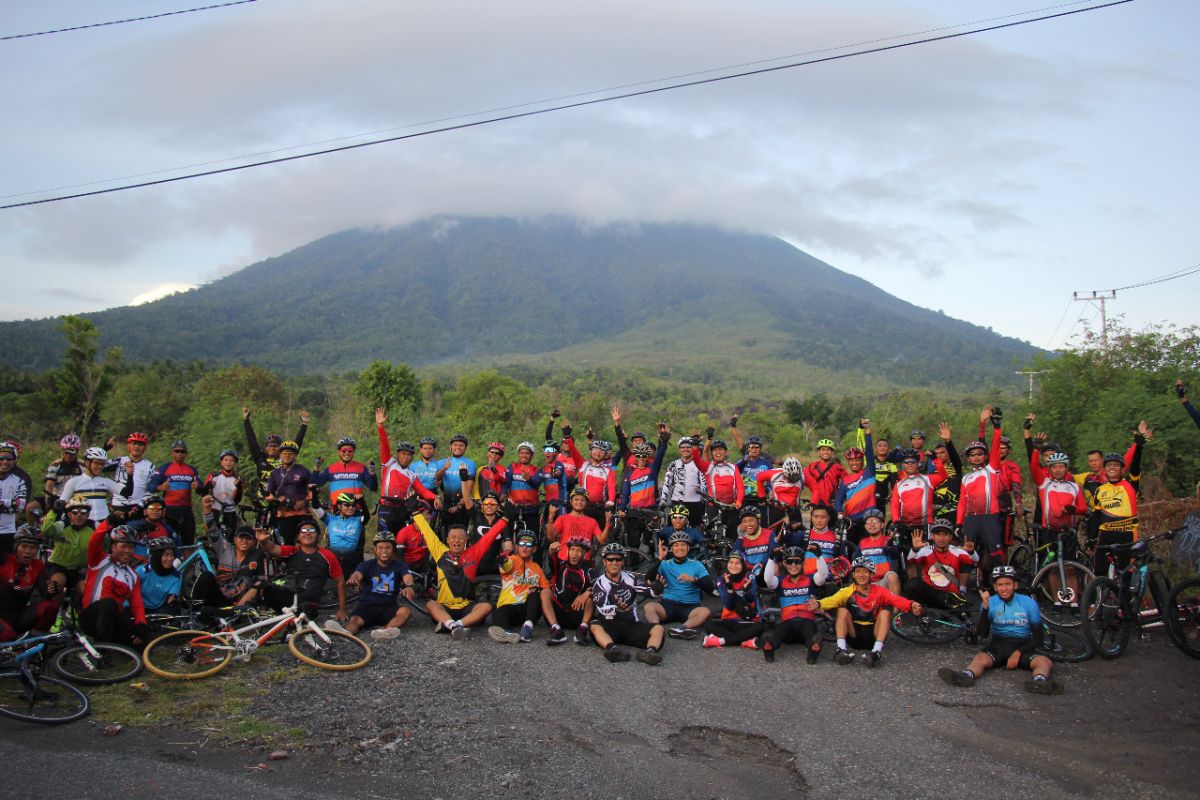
column 490, row 478
column 225, row 488
column 1117, row 506
column 264, row 464
column 617, row 600
column 398, row 482
column 59, row 472
column 108, row 580
column 684, row 482
column 411, row 545
column 600, row 481
column 451, row 481
column 794, row 591
column 750, row 469
column 181, row 479
column 882, row 553
column 569, row 582
column 939, row 569
column 17, row 583
column 347, row 476
column 97, row 492
column 677, row 590
column 856, row 493
column 576, row 526
column 912, row 498
column 426, row 472
column 121, row 469
column 345, row 533
column 70, row 543
column 520, row 581
column 864, row 607
column 522, row 483
column 1015, row 619
column 773, row 485
column 1062, row 502
column 310, row 570
column 14, row 493
column 756, row 551
column 157, row 589
column 979, row 491
column 456, row 573
column 739, row 597
column 640, row 487
column 823, row 478
column 724, row 483
column 235, row 573
column 289, row 485
column 885, row 477
column 827, row 540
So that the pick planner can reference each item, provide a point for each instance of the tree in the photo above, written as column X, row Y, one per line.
column 490, row 402
column 816, row 409
column 80, row 382
column 391, row 386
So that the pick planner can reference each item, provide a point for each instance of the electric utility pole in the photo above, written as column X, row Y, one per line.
column 1031, row 373
column 1098, row 298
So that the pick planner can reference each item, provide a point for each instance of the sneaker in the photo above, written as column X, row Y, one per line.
column 711, row 640
column 616, row 655
column 385, row 634
column 652, row 658
column 1047, row 686
column 956, row 677
column 581, row 636
column 683, row 633
column 812, row 656
column 557, row 637
column 871, row 658
column 750, row 644
column 768, row 653
column 332, row 624
column 843, row 657
column 498, row 634
column 526, row 633
column 460, row 631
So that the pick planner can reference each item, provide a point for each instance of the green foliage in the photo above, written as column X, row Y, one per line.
column 488, row 402
column 152, row 399
column 390, row 386
column 80, row 381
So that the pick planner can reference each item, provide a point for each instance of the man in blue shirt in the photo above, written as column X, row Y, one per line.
column 1014, row 622
column 682, row 578
column 381, row 581
column 457, row 476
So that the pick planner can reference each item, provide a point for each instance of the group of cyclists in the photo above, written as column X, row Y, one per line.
column 606, row 546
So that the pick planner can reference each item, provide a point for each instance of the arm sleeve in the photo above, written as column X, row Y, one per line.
column 256, row 453
column 659, row 454
column 423, row 492
column 432, row 542
column 385, row 447
column 573, row 451
column 771, row 575
column 821, row 574
column 622, row 445
column 994, row 452
column 837, row 599
column 955, row 458
column 1192, row 412
column 1036, row 471
column 549, row 430
column 984, row 626
column 741, row 486
column 303, row 429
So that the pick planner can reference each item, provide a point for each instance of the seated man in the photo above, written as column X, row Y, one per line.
column 1015, row 625
column 864, row 614
column 381, row 581
column 308, row 568
column 20, row 574
column 570, row 594
column 794, row 589
column 682, row 579
column 877, row 545
column 941, row 568
column 455, row 610
column 67, row 564
column 524, row 594
column 111, row 584
column 614, row 596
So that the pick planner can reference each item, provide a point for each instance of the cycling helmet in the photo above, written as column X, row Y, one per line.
column 153, row 500
column 735, row 556
column 1006, row 440
column 575, row 541
column 122, row 534
column 489, row 495
column 751, row 511
column 346, row 441
column 684, row 440
column 27, row 534
column 289, row 445
column 458, row 437
column 405, row 447
column 70, row 442
column 525, row 446
column 794, row 551
column 1058, row 458
column 228, row 452
column 497, row 446
column 1050, row 446
column 791, row 467
column 976, row 445
column 755, row 439
column 855, row 452
column 273, row 440
column 384, row 536
column 1117, row 457
column 1004, row 571
column 917, row 433
column 910, row 454
column 642, row 450
column 424, row 440
column 179, row 444
column 601, row 444
column 719, row 443
column 78, row 501
column 638, row 435
column 679, row 510
column 551, row 446
column 8, row 447
column 137, row 437
column 95, row 454
column 345, row 498
column 872, row 513
column 612, row 549
column 862, row 562
column 579, row 491
column 941, row 526
column 679, row 536
column 159, row 543
column 526, row 538
column 825, row 443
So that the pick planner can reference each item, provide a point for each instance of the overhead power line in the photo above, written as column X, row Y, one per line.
column 1170, row 276
column 577, row 104
column 123, row 21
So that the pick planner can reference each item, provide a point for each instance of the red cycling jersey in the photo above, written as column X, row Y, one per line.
column 725, row 483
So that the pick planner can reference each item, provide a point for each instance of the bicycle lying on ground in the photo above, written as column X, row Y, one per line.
column 26, row 694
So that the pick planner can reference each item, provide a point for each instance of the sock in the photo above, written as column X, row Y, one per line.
column 452, row 624
column 651, row 649
column 968, row 673
column 610, row 645
column 878, row 648
column 842, row 644
column 555, row 628
column 721, row 639
column 528, row 626
column 1039, row 677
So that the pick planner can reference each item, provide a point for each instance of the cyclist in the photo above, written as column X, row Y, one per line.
column 60, row 471
column 682, row 579
column 308, row 567
column 855, row 493
column 455, row 610
column 912, row 496
column 226, row 489
column 133, row 468
column 93, row 486
column 598, row 480
column 67, row 565
column 22, row 572
column 639, row 489
column 578, row 526
column 615, row 594
column 381, row 581
column 554, row 485
column 457, row 477
column 267, row 457
column 570, row 594
column 945, row 496
column 179, row 479
column 162, row 584
column 1181, row 393
column 348, row 475
column 725, row 487
column 685, row 483
column 819, row 537
column 941, row 568
column 780, row 490
column 754, row 462
column 916, row 441
column 877, row 546
column 1115, row 520
column 754, row 543
column 794, row 589
column 1014, row 623
column 885, row 473
column 679, row 522
column 398, row 478
column 240, row 564
column 346, row 528
column 521, row 484
column 567, row 459
column 492, row 476
column 152, row 525
column 289, row 488
column 979, row 506
column 112, row 595
column 824, row 474
column 425, row 467
column 864, row 614
column 524, row 594
column 740, row 622
column 14, row 494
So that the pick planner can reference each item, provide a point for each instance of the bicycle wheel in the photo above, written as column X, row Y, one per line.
column 1064, row 644
column 329, row 600
column 1183, row 616
column 935, row 626
column 115, row 664
column 1059, row 601
column 1023, row 560
column 188, row 655
column 43, row 699
column 342, row 651
column 1106, row 626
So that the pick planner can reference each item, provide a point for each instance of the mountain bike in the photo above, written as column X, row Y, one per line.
column 1183, row 616
column 28, row 695
column 189, row 655
column 192, row 567
column 1136, row 597
column 76, row 658
column 1059, row 579
column 941, row 626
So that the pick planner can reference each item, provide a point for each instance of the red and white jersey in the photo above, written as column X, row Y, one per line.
column 980, row 490
column 774, row 486
column 118, row 582
column 396, row 482
column 600, row 481
column 725, row 483
column 1062, row 502
column 912, row 497
column 939, row 569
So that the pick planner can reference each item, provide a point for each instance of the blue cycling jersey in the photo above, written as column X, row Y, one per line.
column 451, row 482
column 426, row 472
column 679, row 591
column 1014, row 619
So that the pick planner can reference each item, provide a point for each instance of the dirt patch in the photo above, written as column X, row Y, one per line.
column 747, row 763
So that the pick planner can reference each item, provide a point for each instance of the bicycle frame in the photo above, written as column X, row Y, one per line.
column 242, row 645
column 198, row 554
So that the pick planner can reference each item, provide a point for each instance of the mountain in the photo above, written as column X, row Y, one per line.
column 547, row 293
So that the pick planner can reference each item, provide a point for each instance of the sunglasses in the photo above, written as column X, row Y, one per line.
column 77, row 511
column 179, row 451
column 311, row 531
column 794, row 561
column 614, row 558
column 7, row 458
column 910, row 461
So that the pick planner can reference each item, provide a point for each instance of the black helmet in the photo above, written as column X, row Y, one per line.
column 719, row 443
column 273, row 440
column 1117, row 457
column 424, row 440
column 228, row 452
column 153, row 500
column 750, row 511
column 612, row 549
column 637, row 435
column 159, row 543
column 458, row 437
column 27, row 534
column 347, row 441
column 755, row 439
column 910, row 454
column 179, row 444
column 125, row 534
column 794, row 551
column 405, row 447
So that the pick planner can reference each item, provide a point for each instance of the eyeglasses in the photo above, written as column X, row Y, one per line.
column 77, row 511
column 794, row 561
column 614, row 559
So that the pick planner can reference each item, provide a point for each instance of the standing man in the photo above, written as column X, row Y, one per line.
column 179, row 479
column 67, row 466
column 134, row 469
column 348, row 475
column 266, row 458
column 289, row 485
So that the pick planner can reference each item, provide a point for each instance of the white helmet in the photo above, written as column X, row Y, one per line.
column 791, row 466
column 526, row 446
column 95, row 454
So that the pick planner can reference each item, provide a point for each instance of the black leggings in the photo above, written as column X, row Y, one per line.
column 106, row 621
column 733, row 631
column 184, row 522
column 797, row 630
column 514, row 615
column 919, row 591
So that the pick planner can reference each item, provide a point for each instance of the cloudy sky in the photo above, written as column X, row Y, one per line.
column 988, row 176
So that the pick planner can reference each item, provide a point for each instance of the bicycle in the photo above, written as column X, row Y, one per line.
column 1115, row 604
column 189, row 655
column 192, row 567
column 78, row 659
column 1183, row 616
column 30, row 696
column 941, row 626
column 1058, row 582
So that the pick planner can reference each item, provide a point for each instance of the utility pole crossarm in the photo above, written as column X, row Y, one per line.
column 1098, row 298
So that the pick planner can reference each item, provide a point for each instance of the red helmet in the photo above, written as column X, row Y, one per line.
column 137, row 437
column 496, row 446
column 855, row 452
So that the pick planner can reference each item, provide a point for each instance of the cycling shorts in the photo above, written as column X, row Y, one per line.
column 1001, row 648
column 633, row 634
column 677, row 612
column 375, row 614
